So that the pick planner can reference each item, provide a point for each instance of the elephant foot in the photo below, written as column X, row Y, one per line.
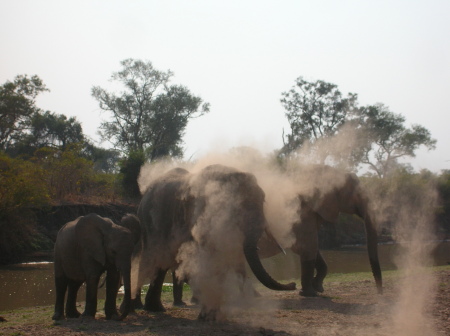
column 317, row 285
column 112, row 315
column 73, row 314
column 179, row 303
column 88, row 315
column 211, row 315
column 308, row 293
column 136, row 304
column 154, row 307
column 133, row 306
column 58, row 316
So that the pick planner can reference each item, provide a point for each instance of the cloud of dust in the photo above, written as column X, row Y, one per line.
column 413, row 230
column 335, row 151
column 217, row 285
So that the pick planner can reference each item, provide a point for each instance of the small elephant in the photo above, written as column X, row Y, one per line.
column 87, row 247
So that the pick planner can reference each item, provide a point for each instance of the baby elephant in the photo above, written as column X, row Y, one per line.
column 84, row 249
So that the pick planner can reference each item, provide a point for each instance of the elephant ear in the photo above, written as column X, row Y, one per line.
column 132, row 223
column 90, row 232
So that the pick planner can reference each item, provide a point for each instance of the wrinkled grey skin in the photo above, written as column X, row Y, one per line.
column 87, row 247
column 172, row 205
column 322, row 205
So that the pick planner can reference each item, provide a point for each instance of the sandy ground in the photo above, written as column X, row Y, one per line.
column 348, row 307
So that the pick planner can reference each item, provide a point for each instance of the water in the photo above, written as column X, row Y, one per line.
column 27, row 285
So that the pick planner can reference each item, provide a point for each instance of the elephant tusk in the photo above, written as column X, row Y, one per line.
column 282, row 249
column 275, row 241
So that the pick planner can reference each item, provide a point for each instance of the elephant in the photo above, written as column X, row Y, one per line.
column 84, row 249
column 174, row 211
column 330, row 191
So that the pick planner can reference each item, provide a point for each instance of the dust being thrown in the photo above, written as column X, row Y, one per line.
column 412, row 227
column 413, row 230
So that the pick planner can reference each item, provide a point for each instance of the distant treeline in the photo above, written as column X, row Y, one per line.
column 41, row 193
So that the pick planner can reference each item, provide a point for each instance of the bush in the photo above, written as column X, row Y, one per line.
column 22, row 186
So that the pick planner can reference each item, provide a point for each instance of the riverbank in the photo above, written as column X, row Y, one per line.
column 349, row 306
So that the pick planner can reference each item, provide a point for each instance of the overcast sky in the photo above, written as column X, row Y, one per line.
column 239, row 56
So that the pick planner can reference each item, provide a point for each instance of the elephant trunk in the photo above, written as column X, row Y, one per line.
column 372, row 248
column 251, row 254
column 126, row 304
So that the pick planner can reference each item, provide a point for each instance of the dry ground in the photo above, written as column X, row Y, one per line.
column 348, row 307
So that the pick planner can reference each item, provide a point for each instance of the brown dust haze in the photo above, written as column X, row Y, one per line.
column 412, row 229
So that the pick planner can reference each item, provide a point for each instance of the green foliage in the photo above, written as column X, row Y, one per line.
column 443, row 215
column 384, row 139
column 314, row 110
column 105, row 160
column 71, row 177
column 17, row 105
column 47, row 130
column 22, row 185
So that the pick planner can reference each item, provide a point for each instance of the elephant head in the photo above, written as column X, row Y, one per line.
column 249, row 213
column 111, row 246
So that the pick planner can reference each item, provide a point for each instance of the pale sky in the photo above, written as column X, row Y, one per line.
column 239, row 56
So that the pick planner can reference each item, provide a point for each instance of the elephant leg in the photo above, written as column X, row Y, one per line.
column 71, row 304
column 91, row 296
column 307, row 268
column 61, row 288
column 307, row 246
column 153, row 297
column 177, row 290
column 321, row 272
column 112, row 286
column 135, row 303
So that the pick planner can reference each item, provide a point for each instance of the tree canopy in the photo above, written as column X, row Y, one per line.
column 323, row 121
column 150, row 115
column 314, row 110
column 387, row 139
column 17, row 105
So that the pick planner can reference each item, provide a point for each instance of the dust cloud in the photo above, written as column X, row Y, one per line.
column 416, row 287
column 281, row 186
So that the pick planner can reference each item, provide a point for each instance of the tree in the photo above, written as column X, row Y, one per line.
column 443, row 214
column 386, row 139
column 47, row 130
column 105, row 160
column 17, row 105
column 150, row 116
column 334, row 129
column 22, row 187
column 315, row 110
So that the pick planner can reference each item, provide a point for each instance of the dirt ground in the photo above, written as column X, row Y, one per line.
column 348, row 307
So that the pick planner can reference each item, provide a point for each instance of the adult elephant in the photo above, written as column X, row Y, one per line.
column 87, row 247
column 187, row 216
column 324, row 193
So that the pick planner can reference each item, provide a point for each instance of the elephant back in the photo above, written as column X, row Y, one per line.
column 161, row 201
